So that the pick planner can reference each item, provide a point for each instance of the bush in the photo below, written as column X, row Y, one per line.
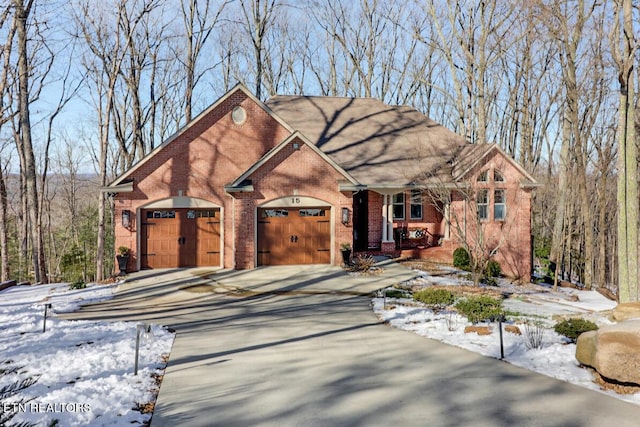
column 493, row 269
column 78, row 284
column 461, row 259
column 435, row 297
column 363, row 263
column 572, row 328
column 396, row 293
column 481, row 308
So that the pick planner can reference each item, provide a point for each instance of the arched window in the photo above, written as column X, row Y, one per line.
column 497, row 176
column 484, row 176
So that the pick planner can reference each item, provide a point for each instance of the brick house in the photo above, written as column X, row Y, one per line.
column 288, row 181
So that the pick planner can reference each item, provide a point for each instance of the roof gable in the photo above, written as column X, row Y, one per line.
column 193, row 123
column 475, row 154
column 238, row 184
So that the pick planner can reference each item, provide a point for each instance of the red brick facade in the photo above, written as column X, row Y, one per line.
column 193, row 168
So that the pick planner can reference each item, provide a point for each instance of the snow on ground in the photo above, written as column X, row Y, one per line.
column 534, row 303
column 84, row 369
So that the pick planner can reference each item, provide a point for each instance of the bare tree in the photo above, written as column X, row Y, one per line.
column 24, row 139
column 199, row 21
column 107, row 47
column 258, row 17
column 624, row 48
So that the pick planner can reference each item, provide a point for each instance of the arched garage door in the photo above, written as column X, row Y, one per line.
column 180, row 238
column 294, row 236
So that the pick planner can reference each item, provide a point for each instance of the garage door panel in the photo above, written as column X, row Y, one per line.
column 294, row 236
column 208, row 244
column 180, row 238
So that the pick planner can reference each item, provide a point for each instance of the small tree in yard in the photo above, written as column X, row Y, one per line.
column 470, row 228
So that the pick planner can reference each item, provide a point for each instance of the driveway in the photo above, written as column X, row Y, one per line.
column 300, row 346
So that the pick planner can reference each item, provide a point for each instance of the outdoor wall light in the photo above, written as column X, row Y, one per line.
column 346, row 216
column 126, row 218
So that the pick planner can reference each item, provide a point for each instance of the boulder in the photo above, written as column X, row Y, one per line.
column 613, row 351
column 626, row 311
column 586, row 348
column 480, row 330
column 513, row 329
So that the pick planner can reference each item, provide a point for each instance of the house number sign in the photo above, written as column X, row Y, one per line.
column 295, row 200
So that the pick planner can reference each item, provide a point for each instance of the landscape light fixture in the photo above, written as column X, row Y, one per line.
column 44, row 321
column 141, row 328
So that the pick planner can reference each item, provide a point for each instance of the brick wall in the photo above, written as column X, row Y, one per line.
column 209, row 154
column 512, row 235
column 291, row 172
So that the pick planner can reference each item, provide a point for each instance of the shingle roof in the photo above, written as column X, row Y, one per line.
column 377, row 144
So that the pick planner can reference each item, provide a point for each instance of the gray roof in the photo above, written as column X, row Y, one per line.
column 377, row 144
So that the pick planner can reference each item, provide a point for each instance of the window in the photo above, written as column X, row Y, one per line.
column 398, row 206
column 312, row 212
column 483, row 177
column 497, row 176
column 161, row 214
column 482, row 203
column 499, row 205
column 275, row 213
column 416, row 204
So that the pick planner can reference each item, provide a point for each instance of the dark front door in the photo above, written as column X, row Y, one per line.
column 361, row 221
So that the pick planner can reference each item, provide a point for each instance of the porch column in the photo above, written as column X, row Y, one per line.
column 384, row 218
column 390, row 219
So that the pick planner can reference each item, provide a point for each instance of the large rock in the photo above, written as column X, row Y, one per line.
column 613, row 351
column 626, row 311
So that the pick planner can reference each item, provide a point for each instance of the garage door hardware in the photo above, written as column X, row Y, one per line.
column 294, row 239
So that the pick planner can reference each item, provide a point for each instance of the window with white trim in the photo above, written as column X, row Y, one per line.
column 415, row 210
column 398, row 206
column 482, row 204
column 499, row 205
column 497, row 176
column 483, row 176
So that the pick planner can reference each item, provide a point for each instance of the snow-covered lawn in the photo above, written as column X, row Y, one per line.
column 83, row 370
column 533, row 303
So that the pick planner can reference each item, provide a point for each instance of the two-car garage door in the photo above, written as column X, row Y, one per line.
column 180, row 238
column 294, row 236
column 191, row 237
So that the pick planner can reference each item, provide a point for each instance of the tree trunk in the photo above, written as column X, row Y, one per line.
column 4, row 243
column 39, row 259
column 627, row 193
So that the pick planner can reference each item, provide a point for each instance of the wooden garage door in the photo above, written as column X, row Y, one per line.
column 180, row 238
column 294, row 236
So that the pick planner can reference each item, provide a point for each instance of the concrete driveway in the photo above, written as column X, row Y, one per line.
column 300, row 346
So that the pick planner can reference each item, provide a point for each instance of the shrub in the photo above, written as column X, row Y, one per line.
column 78, row 284
column 481, row 308
column 493, row 269
column 572, row 328
column 461, row 259
column 14, row 383
column 436, row 297
column 363, row 263
column 396, row 293
column 534, row 335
